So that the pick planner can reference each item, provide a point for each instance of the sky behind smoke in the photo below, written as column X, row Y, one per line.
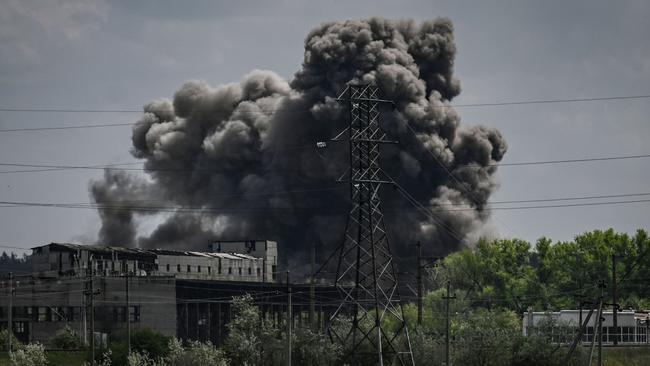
column 123, row 54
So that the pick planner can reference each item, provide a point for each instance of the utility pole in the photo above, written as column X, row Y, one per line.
column 448, row 330
column 419, row 279
column 92, row 314
column 312, row 288
column 128, row 316
column 84, row 305
column 90, row 292
column 289, row 320
column 580, row 304
column 597, row 331
column 614, row 300
column 600, row 325
column 10, row 328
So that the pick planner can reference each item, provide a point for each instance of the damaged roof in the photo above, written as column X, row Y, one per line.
column 102, row 249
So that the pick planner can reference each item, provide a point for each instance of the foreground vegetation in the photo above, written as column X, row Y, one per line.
column 494, row 283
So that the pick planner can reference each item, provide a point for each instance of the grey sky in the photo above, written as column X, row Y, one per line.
column 122, row 54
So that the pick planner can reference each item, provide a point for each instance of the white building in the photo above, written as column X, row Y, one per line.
column 633, row 326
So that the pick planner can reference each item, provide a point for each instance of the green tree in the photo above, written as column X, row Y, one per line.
column 66, row 338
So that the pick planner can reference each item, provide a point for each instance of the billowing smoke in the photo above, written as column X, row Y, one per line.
column 241, row 159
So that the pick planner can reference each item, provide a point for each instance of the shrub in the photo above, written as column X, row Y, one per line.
column 66, row 338
column 196, row 354
column 16, row 344
column 29, row 355
column 144, row 340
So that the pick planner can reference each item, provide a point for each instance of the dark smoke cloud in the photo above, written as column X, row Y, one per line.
column 247, row 150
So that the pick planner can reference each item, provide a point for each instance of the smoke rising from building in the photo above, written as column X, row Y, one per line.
column 246, row 152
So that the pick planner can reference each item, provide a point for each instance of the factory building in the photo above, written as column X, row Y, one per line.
column 633, row 327
column 177, row 293
column 247, row 261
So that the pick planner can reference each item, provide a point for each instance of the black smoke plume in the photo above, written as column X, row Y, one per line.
column 241, row 158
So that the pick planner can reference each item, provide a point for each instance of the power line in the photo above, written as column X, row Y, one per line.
column 65, row 127
column 572, row 160
column 14, row 247
column 486, row 104
column 568, row 198
column 118, row 166
column 549, row 101
column 267, row 111
column 322, row 209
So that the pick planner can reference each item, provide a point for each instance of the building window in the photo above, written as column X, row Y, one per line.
column 167, row 267
column 229, row 270
column 209, row 269
column 259, row 272
column 189, row 268
column 250, row 271
column 19, row 327
column 75, row 313
column 198, row 269
column 134, row 314
column 178, row 268
column 641, row 336
column 43, row 314
column 240, row 271
column 119, row 314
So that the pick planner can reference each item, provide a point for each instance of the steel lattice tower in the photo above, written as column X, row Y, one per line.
column 365, row 275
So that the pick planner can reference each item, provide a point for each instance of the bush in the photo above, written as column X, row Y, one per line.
column 314, row 347
column 196, row 354
column 485, row 338
column 144, row 340
column 29, row 355
column 66, row 338
column 4, row 334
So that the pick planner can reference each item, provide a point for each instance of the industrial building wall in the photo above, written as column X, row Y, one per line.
column 228, row 268
column 204, row 308
column 42, row 307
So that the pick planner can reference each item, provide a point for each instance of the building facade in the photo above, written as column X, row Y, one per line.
column 246, row 261
column 177, row 293
column 633, row 327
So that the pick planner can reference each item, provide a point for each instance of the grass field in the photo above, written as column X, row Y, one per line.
column 626, row 356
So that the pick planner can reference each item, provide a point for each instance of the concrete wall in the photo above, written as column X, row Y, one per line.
column 42, row 307
column 223, row 268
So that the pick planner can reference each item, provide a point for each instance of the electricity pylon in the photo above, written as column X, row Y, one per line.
column 365, row 275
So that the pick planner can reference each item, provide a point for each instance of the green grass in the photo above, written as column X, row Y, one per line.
column 55, row 358
column 626, row 356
